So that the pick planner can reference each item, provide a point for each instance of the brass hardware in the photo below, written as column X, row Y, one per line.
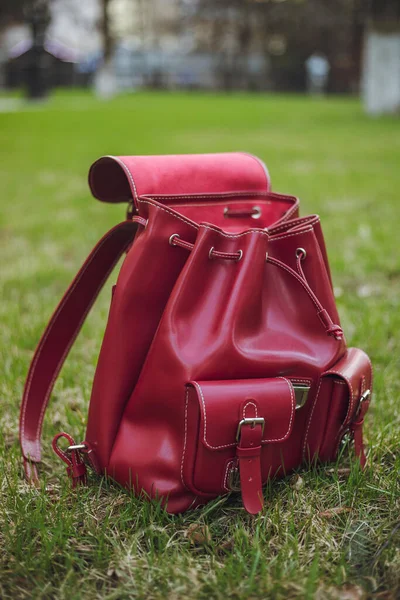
column 252, row 421
column 233, row 480
column 301, row 395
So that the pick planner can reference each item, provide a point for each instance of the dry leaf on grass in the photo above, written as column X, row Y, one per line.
column 297, row 482
column 332, row 512
column 226, row 546
column 343, row 472
column 345, row 592
column 198, row 534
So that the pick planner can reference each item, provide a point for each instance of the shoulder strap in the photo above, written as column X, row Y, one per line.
column 60, row 334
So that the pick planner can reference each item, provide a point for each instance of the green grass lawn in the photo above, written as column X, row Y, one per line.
column 325, row 535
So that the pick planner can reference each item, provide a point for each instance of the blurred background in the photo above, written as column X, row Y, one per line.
column 319, row 46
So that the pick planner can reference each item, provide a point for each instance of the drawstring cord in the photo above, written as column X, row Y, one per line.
column 331, row 328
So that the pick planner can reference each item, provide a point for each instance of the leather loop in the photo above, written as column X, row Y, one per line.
column 60, row 334
column 76, row 468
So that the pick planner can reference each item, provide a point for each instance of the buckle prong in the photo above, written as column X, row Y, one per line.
column 76, row 447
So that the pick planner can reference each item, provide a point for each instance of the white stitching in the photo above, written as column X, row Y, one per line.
column 350, row 409
column 310, row 417
column 372, row 370
column 300, row 379
column 234, row 444
column 248, row 404
column 62, row 359
column 127, row 170
column 223, row 234
column 172, row 213
column 291, row 415
column 219, row 195
column 301, row 221
column 236, row 235
column 185, row 439
column 217, row 203
column 282, row 237
column 229, row 465
column 42, row 342
column 222, row 195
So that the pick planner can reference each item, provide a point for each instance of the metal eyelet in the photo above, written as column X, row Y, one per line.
column 172, row 237
column 256, row 212
column 240, row 255
column 301, row 253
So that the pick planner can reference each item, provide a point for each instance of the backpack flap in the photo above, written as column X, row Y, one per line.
column 123, row 178
column 234, row 431
column 230, row 190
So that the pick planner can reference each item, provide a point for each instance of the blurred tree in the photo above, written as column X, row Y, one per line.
column 106, row 30
column 287, row 32
column 381, row 68
column 36, row 14
column 11, row 10
column 105, row 81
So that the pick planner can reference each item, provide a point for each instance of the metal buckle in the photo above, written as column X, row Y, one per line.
column 252, row 421
column 301, row 395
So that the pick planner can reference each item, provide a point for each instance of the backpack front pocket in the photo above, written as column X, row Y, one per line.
column 234, row 435
column 341, row 401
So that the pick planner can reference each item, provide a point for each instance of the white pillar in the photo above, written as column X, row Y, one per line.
column 381, row 72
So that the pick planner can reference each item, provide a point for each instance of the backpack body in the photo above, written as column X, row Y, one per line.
column 223, row 362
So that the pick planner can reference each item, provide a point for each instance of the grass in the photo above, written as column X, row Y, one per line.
column 329, row 534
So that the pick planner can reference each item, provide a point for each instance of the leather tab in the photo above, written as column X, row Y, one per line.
column 76, row 468
column 248, row 452
column 356, row 429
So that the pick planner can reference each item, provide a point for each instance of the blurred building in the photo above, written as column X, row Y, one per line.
column 211, row 44
column 381, row 68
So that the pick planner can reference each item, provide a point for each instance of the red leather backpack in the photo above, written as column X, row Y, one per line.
column 223, row 362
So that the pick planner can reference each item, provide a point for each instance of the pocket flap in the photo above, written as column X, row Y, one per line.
column 356, row 372
column 224, row 404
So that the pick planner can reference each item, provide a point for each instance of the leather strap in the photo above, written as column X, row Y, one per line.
column 248, row 452
column 60, row 334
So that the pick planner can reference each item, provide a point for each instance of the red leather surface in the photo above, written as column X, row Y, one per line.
column 119, row 178
column 187, row 313
column 213, row 410
column 222, row 407
column 248, row 453
column 60, row 334
column 336, row 403
column 270, row 209
column 200, row 319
